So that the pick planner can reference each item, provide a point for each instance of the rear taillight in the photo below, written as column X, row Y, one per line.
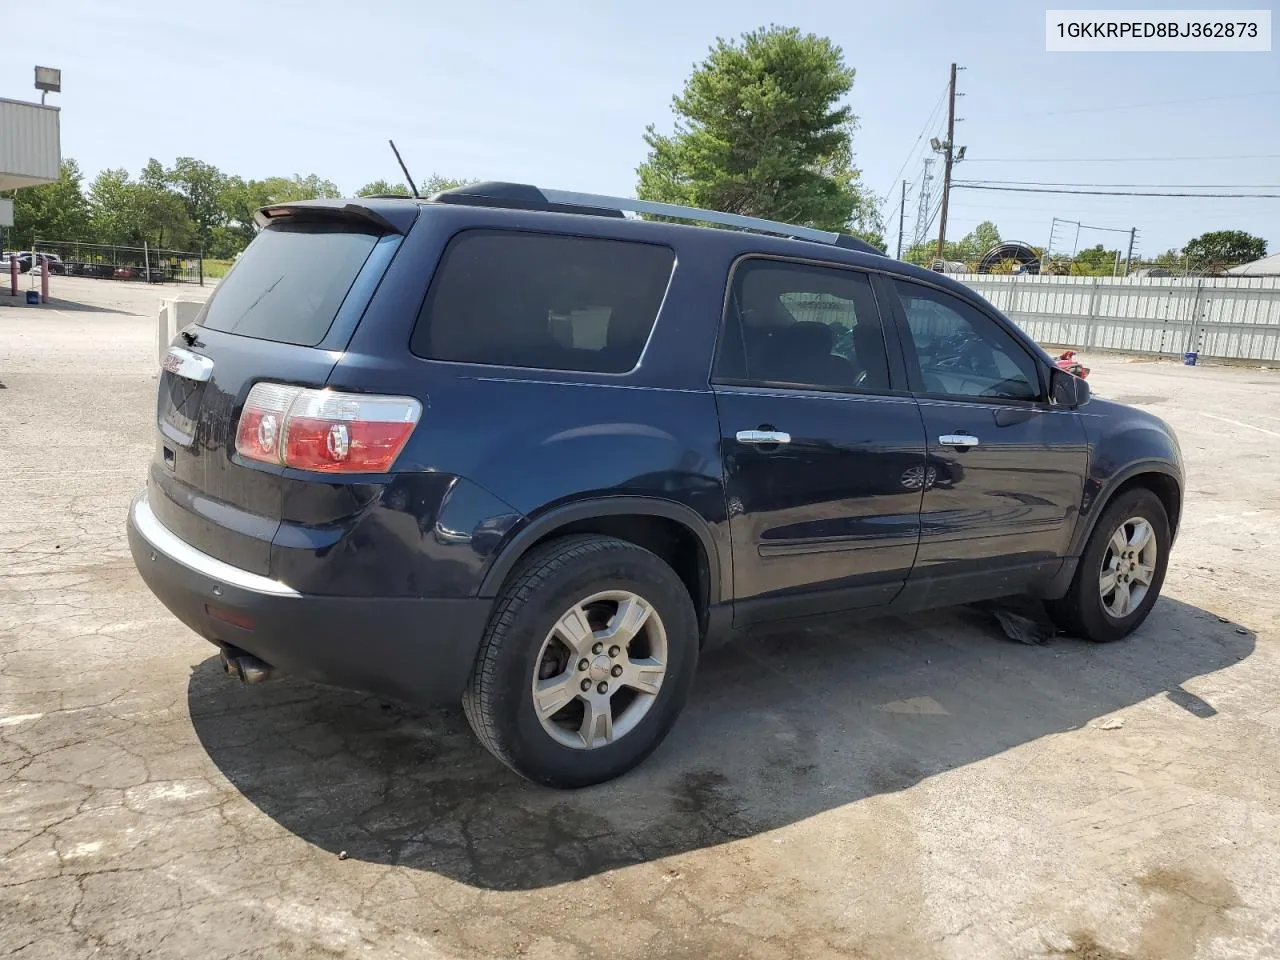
column 324, row 430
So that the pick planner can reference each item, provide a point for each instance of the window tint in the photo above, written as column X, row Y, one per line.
column 807, row 325
column 537, row 300
column 963, row 353
column 289, row 283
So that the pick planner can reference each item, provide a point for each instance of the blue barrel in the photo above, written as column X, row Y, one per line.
column 1190, row 359
column 33, row 297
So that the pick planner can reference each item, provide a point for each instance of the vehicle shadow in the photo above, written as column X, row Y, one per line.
column 79, row 306
column 780, row 727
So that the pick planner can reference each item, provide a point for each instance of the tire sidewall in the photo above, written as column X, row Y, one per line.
column 1098, row 624
column 533, row 751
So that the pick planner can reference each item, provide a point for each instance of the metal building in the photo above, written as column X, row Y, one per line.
column 30, row 144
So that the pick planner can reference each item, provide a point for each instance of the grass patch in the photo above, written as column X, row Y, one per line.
column 216, row 269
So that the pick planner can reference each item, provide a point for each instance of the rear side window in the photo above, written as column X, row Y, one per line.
column 289, row 283
column 539, row 300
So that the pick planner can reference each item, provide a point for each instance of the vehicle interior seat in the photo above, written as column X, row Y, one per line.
column 802, row 353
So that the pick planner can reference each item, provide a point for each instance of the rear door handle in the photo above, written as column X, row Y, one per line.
column 957, row 440
column 763, row 436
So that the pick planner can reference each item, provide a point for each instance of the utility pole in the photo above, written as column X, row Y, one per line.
column 949, row 154
column 902, row 217
column 1133, row 232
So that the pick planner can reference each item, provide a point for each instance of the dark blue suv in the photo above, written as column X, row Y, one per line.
column 514, row 448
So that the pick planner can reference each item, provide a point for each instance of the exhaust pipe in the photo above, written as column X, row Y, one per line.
column 247, row 668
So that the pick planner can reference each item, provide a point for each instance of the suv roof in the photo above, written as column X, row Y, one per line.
column 389, row 210
column 769, row 237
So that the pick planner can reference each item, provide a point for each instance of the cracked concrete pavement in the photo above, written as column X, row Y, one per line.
column 917, row 787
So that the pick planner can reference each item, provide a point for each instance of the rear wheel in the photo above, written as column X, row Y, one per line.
column 586, row 662
column 1120, row 572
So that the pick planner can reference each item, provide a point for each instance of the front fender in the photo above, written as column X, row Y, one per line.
column 1143, row 444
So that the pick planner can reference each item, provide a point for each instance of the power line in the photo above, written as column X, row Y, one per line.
column 1180, row 186
column 1110, row 193
column 912, row 152
column 1238, row 156
column 1163, row 103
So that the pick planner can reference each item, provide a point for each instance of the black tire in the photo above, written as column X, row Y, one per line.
column 499, row 697
column 1081, row 612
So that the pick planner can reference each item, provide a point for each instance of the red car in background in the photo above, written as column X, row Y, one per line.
column 1068, row 362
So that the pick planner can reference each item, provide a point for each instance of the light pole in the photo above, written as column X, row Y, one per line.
column 48, row 80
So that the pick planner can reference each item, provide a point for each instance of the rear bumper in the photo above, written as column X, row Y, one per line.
column 417, row 650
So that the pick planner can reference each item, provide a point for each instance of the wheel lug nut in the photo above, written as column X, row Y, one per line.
column 617, row 670
column 602, row 687
column 598, row 648
column 584, row 663
column 614, row 651
column 586, row 685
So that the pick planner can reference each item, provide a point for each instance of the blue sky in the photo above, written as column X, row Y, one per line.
column 559, row 93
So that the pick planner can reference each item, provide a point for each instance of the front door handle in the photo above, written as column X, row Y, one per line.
column 957, row 440
column 764, row 437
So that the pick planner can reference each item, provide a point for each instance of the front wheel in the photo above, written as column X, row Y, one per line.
column 586, row 663
column 1120, row 572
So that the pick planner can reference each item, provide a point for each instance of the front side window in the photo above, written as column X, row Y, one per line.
column 962, row 353
column 517, row 299
column 803, row 325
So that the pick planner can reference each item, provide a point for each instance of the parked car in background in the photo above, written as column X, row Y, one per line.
column 56, row 266
column 28, row 261
column 1067, row 361
column 23, row 258
column 511, row 448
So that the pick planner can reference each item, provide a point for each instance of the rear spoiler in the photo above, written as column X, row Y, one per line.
column 390, row 216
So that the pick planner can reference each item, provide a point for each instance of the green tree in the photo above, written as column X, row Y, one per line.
column 154, row 175
column 378, row 188
column 1219, row 249
column 983, row 237
column 112, row 208
column 761, row 131
column 161, row 217
column 200, row 186
column 298, row 187
column 55, row 211
column 129, row 212
column 435, row 183
column 237, row 200
column 968, row 249
column 429, row 187
column 1094, row 261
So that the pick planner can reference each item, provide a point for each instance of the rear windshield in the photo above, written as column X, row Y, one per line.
column 289, row 283
column 541, row 300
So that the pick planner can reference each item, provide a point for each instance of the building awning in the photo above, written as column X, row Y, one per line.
column 30, row 144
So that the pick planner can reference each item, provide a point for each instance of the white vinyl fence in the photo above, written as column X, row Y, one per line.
column 1228, row 317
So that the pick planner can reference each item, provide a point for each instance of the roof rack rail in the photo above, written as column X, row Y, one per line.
column 525, row 196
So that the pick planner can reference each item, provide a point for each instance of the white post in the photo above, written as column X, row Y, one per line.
column 146, row 260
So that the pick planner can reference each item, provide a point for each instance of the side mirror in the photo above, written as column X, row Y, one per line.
column 1068, row 390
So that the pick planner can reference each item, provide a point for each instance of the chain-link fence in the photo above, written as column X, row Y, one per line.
column 111, row 262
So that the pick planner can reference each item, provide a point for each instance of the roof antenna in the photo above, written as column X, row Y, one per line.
column 413, row 187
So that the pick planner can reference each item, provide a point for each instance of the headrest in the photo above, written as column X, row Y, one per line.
column 809, row 335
